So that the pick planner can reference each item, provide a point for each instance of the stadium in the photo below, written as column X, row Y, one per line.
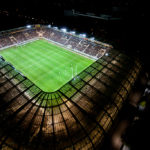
column 60, row 90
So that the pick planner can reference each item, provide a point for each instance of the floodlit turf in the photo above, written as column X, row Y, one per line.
column 47, row 65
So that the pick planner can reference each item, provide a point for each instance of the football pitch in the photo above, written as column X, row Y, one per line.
column 47, row 65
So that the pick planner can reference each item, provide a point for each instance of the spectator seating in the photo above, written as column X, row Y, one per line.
column 70, row 41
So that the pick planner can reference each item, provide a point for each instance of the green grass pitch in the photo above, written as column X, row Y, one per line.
column 47, row 65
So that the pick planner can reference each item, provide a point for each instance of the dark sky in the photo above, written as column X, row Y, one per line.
column 83, row 5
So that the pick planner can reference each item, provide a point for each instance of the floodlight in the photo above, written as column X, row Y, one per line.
column 64, row 29
column 92, row 38
column 28, row 26
column 106, row 54
column 73, row 32
column 55, row 28
column 49, row 26
column 82, row 35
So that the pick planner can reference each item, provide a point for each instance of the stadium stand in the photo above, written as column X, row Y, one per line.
column 57, row 36
column 5, row 41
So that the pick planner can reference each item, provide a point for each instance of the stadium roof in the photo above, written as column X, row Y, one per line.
column 81, row 112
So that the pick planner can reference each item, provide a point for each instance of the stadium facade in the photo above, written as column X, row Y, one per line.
column 77, row 116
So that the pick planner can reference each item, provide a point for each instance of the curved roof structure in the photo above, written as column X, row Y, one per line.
column 77, row 116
